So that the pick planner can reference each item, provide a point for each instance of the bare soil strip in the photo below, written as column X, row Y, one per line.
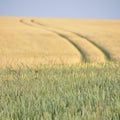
column 26, row 23
column 103, row 50
column 90, row 51
column 82, row 53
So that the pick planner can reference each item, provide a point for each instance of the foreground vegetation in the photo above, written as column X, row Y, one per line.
column 61, row 92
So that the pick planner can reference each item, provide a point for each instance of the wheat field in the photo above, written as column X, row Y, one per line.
column 35, row 41
column 59, row 69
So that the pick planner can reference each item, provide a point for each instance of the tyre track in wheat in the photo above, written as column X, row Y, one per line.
column 25, row 23
column 100, row 48
column 91, row 51
column 76, row 46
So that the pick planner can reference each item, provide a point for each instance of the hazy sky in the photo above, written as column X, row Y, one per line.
column 92, row 9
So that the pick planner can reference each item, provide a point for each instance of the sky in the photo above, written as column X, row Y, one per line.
column 83, row 9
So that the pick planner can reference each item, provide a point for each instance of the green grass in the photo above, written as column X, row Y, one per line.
column 61, row 92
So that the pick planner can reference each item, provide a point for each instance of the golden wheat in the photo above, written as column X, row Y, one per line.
column 34, row 41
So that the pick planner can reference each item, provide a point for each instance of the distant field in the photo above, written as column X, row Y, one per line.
column 33, row 41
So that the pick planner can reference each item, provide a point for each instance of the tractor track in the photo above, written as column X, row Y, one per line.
column 106, row 54
column 25, row 23
column 82, row 53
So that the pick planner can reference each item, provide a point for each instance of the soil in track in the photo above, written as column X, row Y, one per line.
column 91, row 52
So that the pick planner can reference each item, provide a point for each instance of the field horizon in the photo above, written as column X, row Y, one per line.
column 35, row 41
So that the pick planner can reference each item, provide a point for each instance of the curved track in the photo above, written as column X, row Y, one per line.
column 25, row 23
column 86, row 47
column 100, row 48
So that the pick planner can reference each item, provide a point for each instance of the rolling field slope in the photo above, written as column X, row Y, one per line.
column 33, row 41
